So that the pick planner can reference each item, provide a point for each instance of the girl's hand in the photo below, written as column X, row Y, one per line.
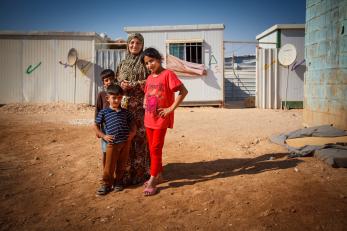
column 108, row 138
column 163, row 112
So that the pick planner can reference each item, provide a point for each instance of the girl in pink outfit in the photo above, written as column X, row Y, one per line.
column 159, row 104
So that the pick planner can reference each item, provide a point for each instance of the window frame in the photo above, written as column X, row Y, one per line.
column 188, row 44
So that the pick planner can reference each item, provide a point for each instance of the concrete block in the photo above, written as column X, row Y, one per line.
column 312, row 50
column 310, row 3
column 343, row 61
column 343, row 11
column 332, row 32
column 322, row 48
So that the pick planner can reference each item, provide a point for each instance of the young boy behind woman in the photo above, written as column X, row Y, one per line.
column 107, row 77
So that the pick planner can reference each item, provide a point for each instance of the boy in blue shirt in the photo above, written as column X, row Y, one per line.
column 120, row 129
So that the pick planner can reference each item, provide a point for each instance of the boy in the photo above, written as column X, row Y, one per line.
column 120, row 130
column 107, row 77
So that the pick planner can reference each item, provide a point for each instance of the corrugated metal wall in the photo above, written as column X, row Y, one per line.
column 296, row 73
column 11, row 74
column 267, row 81
column 202, row 89
column 239, row 84
column 66, row 89
column 326, row 55
column 31, row 71
column 277, row 83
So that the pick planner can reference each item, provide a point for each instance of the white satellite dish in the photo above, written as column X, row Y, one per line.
column 72, row 57
column 287, row 54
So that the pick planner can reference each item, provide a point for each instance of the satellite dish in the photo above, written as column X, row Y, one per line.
column 287, row 54
column 72, row 57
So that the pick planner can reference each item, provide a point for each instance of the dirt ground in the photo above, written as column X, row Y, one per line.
column 223, row 174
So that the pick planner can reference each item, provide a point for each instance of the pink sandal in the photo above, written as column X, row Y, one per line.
column 150, row 191
column 160, row 181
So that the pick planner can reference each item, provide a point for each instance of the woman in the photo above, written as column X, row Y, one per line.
column 131, row 75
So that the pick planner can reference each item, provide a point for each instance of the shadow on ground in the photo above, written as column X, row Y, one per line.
column 192, row 173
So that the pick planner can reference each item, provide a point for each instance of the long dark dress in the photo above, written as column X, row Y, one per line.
column 133, row 70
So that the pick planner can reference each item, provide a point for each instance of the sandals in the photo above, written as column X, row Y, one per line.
column 118, row 188
column 103, row 190
column 158, row 181
column 150, row 191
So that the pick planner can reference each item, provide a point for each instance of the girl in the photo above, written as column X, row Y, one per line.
column 159, row 104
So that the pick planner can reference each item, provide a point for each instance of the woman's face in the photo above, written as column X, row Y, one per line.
column 135, row 46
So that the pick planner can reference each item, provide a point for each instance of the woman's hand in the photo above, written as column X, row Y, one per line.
column 108, row 138
column 163, row 112
column 125, row 85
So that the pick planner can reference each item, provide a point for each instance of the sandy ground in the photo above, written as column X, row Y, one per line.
column 223, row 174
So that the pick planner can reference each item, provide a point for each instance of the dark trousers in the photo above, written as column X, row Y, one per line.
column 116, row 159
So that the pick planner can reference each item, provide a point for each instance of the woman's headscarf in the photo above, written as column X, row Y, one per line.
column 132, row 68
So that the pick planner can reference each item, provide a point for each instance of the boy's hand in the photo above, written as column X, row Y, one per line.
column 108, row 138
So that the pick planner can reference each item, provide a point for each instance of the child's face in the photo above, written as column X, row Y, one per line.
column 152, row 64
column 135, row 46
column 114, row 100
column 107, row 81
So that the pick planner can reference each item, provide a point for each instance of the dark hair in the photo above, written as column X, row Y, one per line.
column 107, row 73
column 114, row 90
column 151, row 52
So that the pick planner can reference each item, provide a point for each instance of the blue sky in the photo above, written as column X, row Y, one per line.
column 243, row 19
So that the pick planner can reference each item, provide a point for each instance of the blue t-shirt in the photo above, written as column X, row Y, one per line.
column 116, row 123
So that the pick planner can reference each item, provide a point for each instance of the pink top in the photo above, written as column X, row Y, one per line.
column 160, row 93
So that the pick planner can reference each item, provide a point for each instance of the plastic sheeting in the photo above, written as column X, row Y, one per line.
column 333, row 154
column 181, row 67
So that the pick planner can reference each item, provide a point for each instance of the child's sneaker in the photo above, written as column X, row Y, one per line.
column 103, row 190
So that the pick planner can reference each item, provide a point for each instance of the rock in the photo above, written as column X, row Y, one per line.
column 249, row 102
column 267, row 212
column 296, row 169
column 271, row 158
column 37, row 158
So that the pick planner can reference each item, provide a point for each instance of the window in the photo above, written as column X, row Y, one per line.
column 191, row 52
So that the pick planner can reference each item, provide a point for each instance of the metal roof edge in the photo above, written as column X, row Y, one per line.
column 278, row 27
column 173, row 27
column 49, row 33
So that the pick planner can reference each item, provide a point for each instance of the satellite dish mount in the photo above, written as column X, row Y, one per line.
column 286, row 56
column 72, row 58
